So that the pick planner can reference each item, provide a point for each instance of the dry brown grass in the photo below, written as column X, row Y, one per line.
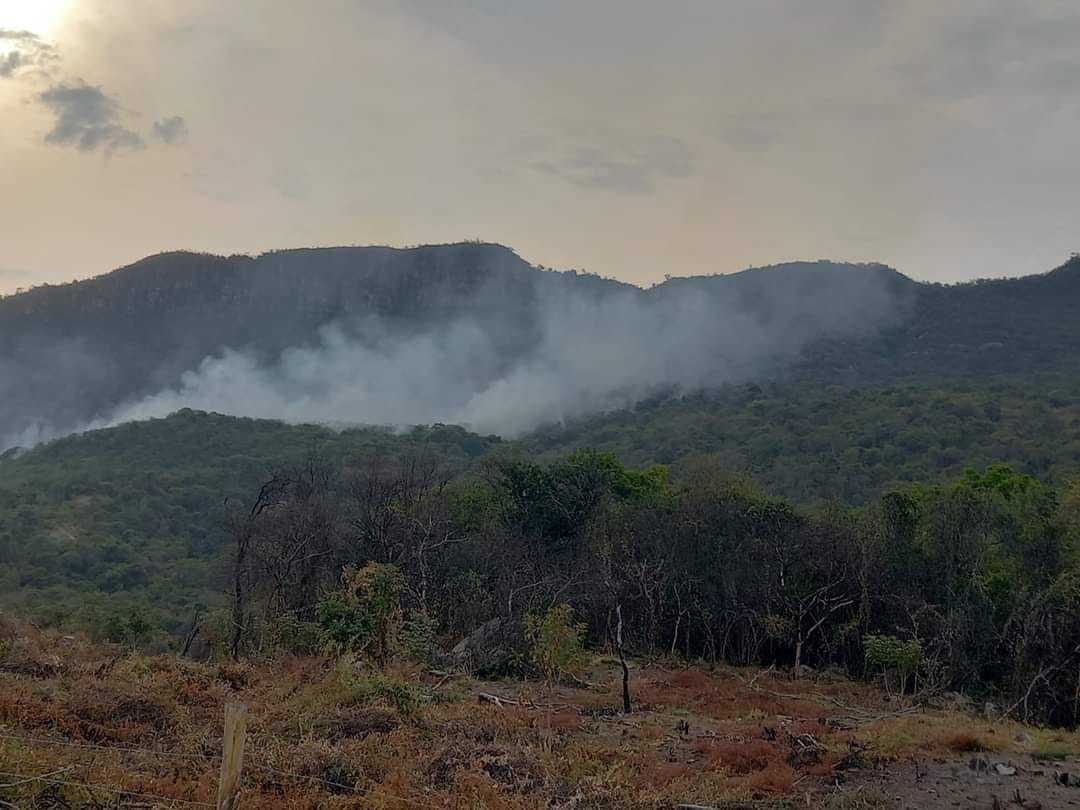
column 740, row 756
column 565, row 722
column 324, row 735
column 776, row 777
column 966, row 741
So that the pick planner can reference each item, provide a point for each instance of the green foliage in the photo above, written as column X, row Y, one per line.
column 366, row 612
column 556, row 643
column 345, row 622
column 890, row 652
column 294, row 635
column 365, row 689
column 132, row 628
column 815, row 442
column 418, row 638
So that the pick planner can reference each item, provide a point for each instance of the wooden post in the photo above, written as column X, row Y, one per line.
column 232, row 756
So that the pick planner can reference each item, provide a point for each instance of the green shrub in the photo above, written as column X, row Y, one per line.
column 294, row 635
column 892, row 654
column 365, row 614
column 555, row 641
column 417, row 638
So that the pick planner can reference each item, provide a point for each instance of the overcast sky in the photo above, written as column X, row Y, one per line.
column 633, row 139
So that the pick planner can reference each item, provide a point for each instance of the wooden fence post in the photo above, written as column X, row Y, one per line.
column 232, row 756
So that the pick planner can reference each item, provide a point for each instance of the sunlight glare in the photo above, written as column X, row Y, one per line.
column 41, row 17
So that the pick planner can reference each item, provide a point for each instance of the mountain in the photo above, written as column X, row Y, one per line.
column 70, row 352
column 472, row 334
column 77, row 352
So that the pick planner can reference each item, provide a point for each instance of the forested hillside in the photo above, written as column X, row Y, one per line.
column 126, row 534
column 70, row 352
column 818, row 442
column 134, row 517
column 503, row 345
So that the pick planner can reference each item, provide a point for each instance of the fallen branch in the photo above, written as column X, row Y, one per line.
column 854, row 716
column 442, row 680
column 849, row 722
column 486, row 697
column 500, row 701
column 763, row 672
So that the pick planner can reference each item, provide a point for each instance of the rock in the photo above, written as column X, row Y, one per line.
column 954, row 701
column 1004, row 770
column 476, row 637
column 492, row 647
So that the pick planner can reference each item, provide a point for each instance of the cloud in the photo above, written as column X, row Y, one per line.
column 1001, row 49
column 85, row 116
column 87, row 119
column 171, row 130
column 10, row 63
column 617, row 163
column 28, row 50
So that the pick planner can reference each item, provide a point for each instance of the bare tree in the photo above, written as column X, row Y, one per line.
column 242, row 528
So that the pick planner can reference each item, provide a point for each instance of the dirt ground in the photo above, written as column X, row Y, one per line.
column 983, row 781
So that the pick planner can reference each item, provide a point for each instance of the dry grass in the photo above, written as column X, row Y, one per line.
column 966, row 741
column 740, row 756
column 776, row 777
column 324, row 734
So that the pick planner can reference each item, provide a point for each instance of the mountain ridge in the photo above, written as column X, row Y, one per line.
column 71, row 354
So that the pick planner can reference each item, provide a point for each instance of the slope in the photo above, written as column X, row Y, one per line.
column 135, row 515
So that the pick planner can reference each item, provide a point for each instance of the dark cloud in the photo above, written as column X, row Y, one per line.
column 619, row 164
column 27, row 50
column 87, row 119
column 10, row 63
column 171, row 130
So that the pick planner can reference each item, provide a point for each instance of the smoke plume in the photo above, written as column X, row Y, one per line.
column 585, row 354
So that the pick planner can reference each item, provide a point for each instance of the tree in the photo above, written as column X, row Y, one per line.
column 242, row 528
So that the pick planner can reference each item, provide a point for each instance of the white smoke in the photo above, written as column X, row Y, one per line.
column 590, row 355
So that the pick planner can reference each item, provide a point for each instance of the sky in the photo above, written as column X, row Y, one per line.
column 630, row 138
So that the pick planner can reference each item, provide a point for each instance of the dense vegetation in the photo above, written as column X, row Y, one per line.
column 815, row 443
column 133, row 518
column 111, row 520
column 972, row 585
column 972, row 582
